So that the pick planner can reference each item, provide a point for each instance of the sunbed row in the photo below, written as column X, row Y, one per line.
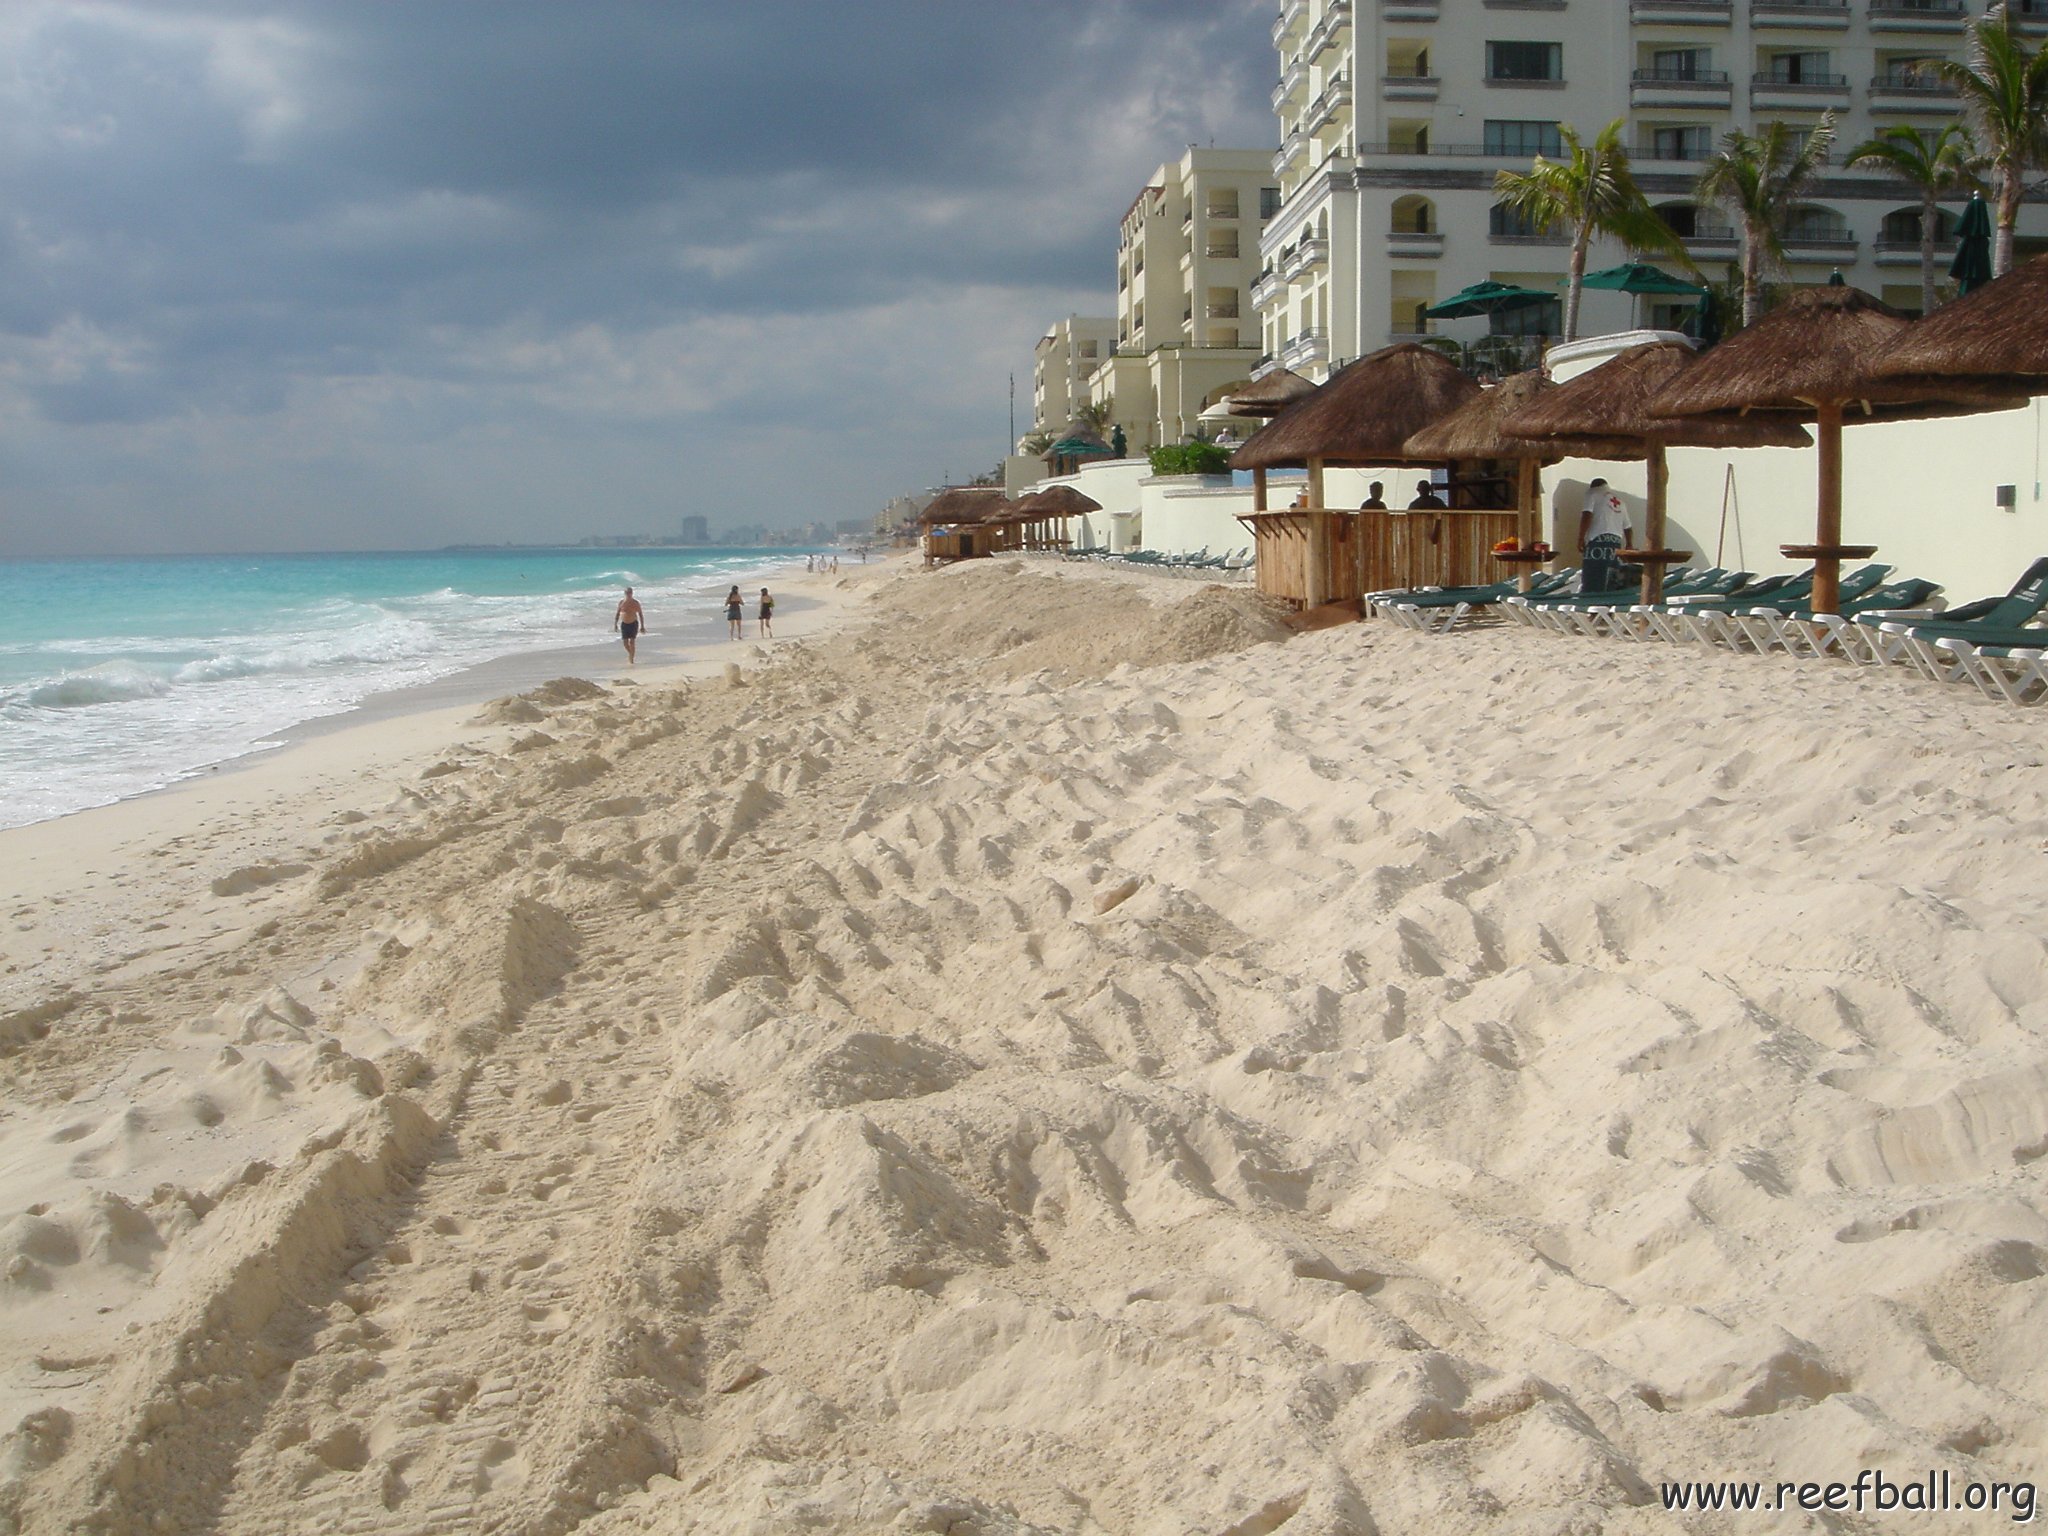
column 1993, row 643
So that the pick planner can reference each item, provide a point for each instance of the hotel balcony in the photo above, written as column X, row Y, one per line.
column 1524, row 5
column 1906, row 253
column 1305, row 350
column 1419, row 338
column 1415, row 244
column 1293, row 82
column 1409, row 87
column 1290, row 17
column 1715, row 243
column 1815, row 93
column 1821, row 250
column 1336, row 96
column 1409, row 10
column 1912, row 93
column 1304, row 257
column 1832, row 14
column 1265, row 287
column 1705, row 88
column 2029, row 15
column 1681, row 13
column 1336, row 18
column 1917, row 15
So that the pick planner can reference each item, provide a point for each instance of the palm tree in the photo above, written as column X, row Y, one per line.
column 1759, row 177
column 2004, row 86
column 1590, row 192
column 1931, row 163
column 1097, row 414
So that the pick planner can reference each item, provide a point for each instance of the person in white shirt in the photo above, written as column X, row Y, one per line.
column 1605, row 512
column 1604, row 532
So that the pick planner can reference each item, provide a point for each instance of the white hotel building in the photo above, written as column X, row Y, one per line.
column 1188, row 249
column 1396, row 114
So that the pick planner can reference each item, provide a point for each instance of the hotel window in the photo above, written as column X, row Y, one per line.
column 1807, row 68
column 1503, row 136
column 1509, row 223
column 1681, row 63
column 1525, row 61
column 1269, row 202
column 1687, row 143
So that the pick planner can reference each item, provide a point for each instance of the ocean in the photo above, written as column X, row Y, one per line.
column 122, row 676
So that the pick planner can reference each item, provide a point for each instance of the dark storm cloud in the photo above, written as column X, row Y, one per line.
column 217, row 210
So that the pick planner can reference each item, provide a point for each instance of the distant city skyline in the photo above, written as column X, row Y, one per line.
column 297, row 275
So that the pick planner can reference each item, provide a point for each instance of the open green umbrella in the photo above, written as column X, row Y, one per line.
column 1634, row 277
column 1639, row 277
column 1972, row 266
column 1486, row 298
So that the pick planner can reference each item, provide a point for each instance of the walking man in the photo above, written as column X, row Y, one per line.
column 627, row 619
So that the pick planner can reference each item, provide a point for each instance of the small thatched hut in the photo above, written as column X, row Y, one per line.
column 1611, row 402
column 1362, row 418
column 956, row 522
column 1811, row 359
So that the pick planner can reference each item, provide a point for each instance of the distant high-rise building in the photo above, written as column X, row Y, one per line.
column 696, row 530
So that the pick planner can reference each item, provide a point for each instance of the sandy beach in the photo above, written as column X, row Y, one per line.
column 1039, row 1048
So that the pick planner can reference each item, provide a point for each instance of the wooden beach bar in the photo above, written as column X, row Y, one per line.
column 1314, row 553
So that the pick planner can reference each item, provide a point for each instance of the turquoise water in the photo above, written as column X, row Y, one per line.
column 122, row 676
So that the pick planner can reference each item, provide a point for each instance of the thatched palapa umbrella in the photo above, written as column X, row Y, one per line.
column 1612, row 401
column 1810, row 360
column 1996, row 335
column 1362, row 418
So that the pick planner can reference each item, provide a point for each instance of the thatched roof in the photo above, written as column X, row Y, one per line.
column 1612, row 400
column 1270, row 394
column 1818, row 346
column 1478, row 429
column 1365, row 415
column 1997, row 335
column 1057, row 501
column 962, row 504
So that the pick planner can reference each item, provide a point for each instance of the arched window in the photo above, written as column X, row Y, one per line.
column 1414, row 215
column 1814, row 222
column 1902, row 226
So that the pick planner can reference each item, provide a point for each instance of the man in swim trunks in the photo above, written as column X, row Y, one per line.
column 627, row 619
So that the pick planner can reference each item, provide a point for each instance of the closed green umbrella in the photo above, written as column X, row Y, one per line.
column 1486, row 298
column 1972, row 266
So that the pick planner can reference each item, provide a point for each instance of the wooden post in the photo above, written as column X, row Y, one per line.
column 1525, row 517
column 1653, row 531
column 1258, row 490
column 1313, row 595
column 1827, row 569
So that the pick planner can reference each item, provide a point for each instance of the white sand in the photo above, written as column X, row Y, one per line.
column 1366, row 1082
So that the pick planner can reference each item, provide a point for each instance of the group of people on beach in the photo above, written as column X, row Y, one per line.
column 815, row 564
column 629, row 619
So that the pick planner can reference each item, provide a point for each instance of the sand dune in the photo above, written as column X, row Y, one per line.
column 1056, row 1058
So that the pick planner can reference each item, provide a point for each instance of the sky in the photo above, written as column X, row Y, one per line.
column 387, row 274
